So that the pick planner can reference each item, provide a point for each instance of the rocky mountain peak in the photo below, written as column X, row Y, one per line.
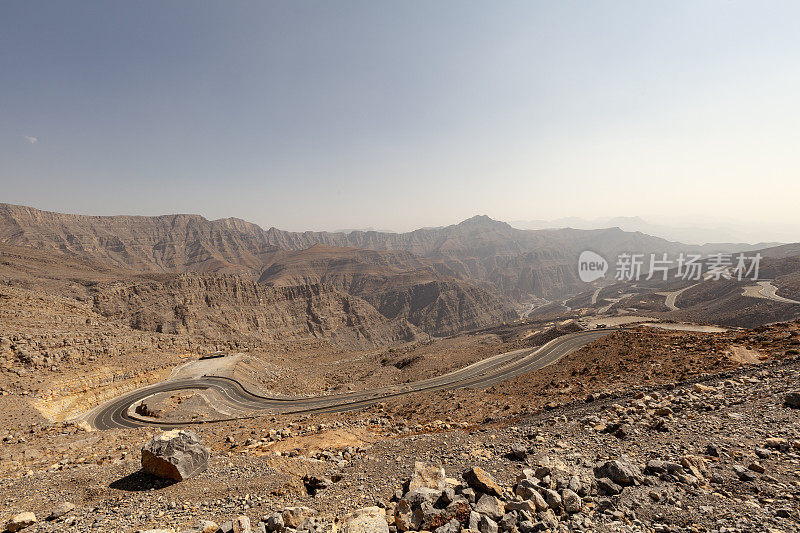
column 482, row 221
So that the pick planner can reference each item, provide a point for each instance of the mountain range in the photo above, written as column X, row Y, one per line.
column 184, row 273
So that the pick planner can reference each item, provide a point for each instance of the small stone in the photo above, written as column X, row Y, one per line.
column 474, row 522
column 539, row 502
column 526, row 526
column 608, row 487
column 552, row 498
column 274, row 523
column 776, row 442
column 432, row 477
column 490, row 506
column 422, row 494
column 469, row 494
column 508, row 522
column 526, row 488
column 294, row 516
column 429, row 517
column 487, row 525
column 241, row 524
column 366, row 520
column 571, row 501
column 519, row 451
column 315, row 484
column 207, row 526
column 576, row 485
column 60, row 510
column 525, row 505
column 695, row 465
column 447, row 497
column 763, row 453
column 405, row 519
column 21, row 521
column 742, row 473
column 453, row 526
column 655, row 466
column 620, row 471
column 792, row 399
column 480, row 480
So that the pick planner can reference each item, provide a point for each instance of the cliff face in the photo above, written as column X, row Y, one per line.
column 442, row 307
column 229, row 306
column 227, row 310
column 398, row 284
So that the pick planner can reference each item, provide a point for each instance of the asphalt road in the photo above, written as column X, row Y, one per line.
column 765, row 289
column 673, row 296
column 486, row 373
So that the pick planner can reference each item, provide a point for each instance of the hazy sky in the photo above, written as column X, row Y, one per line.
column 325, row 115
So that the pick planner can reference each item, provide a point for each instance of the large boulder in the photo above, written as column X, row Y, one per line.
column 367, row 520
column 176, row 454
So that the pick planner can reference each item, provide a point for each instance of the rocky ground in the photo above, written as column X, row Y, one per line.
column 718, row 452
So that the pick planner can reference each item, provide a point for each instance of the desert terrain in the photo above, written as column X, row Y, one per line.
column 364, row 360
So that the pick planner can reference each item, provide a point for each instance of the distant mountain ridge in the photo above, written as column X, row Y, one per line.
column 711, row 239
column 513, row 262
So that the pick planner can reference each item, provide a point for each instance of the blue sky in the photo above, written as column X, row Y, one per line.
column 323, row 115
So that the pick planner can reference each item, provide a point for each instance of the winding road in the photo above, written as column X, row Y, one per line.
column 766, row 290
column 672, row 296
column 119, row 412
